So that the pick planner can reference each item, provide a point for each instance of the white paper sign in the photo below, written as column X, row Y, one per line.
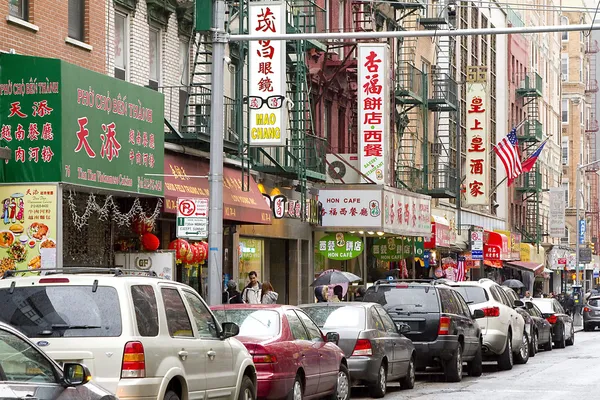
column 556, row 220
column 407, row 213
column 351, row 208
column 161, row 262
column 477, row 189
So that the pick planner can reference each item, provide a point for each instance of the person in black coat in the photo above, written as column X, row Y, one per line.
column 232, row 295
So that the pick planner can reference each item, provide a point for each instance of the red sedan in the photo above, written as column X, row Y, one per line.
column 293, row 359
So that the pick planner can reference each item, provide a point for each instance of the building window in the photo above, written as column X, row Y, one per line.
column 19, row 9
column 565, row 186
column 580, row 69
column 327, row 125
column 154, row 55
column 565, row 239
column 564, row 67
column 121, row 46
column 76, row 19
column 564, row 21
column 565, row 111
column 565, row 151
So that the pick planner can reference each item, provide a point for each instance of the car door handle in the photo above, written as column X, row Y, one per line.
column 211, row 354
column 183, row 354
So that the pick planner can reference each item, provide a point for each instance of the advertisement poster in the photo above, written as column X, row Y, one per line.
column 28, row 227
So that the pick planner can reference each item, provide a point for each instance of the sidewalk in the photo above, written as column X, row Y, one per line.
column 578, row 322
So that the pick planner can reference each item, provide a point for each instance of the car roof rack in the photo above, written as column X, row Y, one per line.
column 383, row 281
column 115, row 271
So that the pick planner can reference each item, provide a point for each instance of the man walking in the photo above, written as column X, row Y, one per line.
column 252, row 292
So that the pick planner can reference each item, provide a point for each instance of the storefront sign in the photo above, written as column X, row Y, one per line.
column 491, row 252
column 192, row 218
column 406, row 213
column 477, row 243
column 388, row 249
column 506, row 247
column 351, row 208
column 408, row 246
column 373, row 110
column 161, row 262
column 477, row 164
column 28, row 227
column 340, row 246
column 419, row 247
column 267, row 75
column 440, row 233
column 278, row 206
column 556, row 220
column 66, row 123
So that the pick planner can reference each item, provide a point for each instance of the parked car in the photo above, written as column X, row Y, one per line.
column 591, row 313
column 292, row 356
column 529, row 324
column 26, row 372
column 543, row 328
column 563, row 331
column 140, row 336
column 442, row 328
column 504, row 337
column 376, row 349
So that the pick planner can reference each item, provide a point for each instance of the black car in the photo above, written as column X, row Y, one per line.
column 529, row 324
column 442, row 328
column 543, row 328
column 563, row 331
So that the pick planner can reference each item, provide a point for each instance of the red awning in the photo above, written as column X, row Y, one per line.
column 495, row 244
column 493, row 263
column 185, row 179
column 440, row 233
column 534, row 267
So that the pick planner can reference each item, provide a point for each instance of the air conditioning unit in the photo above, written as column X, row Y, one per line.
column 338, row 170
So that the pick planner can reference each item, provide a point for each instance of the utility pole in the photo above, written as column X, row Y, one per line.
column 215, row 176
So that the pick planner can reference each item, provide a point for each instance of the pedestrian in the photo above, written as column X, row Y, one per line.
column 252, row 292
column 322, row 294
column 528, row 295
column 268, row 295
column 359, row 294
column 338, row 294
column 232, row 295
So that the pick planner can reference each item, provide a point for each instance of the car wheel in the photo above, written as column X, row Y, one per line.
column 571, row 340
column 522, row 356
column 560, row 344
column 342, row 388
column 505, row 361
column 476, row 365
column 297, row 392
column 533, row 345
column 171, row 395
column 247, row 390
column 408, row 382
column 587, row 327
column 548, row 346
column 378, row 389
column 454, row 366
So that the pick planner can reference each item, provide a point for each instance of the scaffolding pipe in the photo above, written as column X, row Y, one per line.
column 349, row 36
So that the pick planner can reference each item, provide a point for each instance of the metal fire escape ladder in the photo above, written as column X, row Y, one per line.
column 529, row 185
column 591, row 130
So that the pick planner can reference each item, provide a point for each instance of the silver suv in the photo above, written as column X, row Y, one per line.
column 141, row 337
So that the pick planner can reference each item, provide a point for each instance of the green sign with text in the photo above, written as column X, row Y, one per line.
column 340, row 246
column 64, row 123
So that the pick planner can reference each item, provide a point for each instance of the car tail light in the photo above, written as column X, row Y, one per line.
column 491, row 311
column 264, row 359
column 444, row 328
column 552, row 319
column 362, row 348
column 54, row 280
column 586, row 309
column 134, row 361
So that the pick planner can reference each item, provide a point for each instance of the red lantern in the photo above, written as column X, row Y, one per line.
column 182, row 249
column 141, row 226
column 150, row 242
column 203, row 247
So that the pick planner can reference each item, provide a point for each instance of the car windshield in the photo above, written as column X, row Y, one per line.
column 262, row 324
column 57, row 311
column 335, row 317
column 544, row 306
column 21, row 362
column 472, row 294
column 413, row 299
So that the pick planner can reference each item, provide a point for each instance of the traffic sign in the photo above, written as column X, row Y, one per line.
column 192, row 218
column 582, row 230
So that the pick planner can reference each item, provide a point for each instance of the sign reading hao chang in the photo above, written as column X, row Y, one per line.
column 373, row 110
column 65, row 123
column 267, row 75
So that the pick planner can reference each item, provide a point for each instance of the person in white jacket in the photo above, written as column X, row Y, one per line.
column 252, row 292
column 269, row 296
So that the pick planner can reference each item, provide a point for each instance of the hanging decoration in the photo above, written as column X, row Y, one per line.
column 141, row 226
column 104, row 212
column 150, row 242
column 202, row 252
column 183, row 250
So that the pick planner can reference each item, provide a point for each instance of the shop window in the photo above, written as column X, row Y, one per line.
column 121, row 47
column 251, row 254
column 76, row 19
column 19, row 9
column 154, row 56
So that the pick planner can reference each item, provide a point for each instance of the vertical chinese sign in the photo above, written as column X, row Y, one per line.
column 373, row 111
column 267, row 75
column 477, row 189
column 558, row 206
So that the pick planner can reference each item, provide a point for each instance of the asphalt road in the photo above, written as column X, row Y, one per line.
column 560, row 374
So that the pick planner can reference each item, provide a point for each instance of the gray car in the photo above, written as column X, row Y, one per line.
column 375, row 347
column 591, row 313
column 26, row 372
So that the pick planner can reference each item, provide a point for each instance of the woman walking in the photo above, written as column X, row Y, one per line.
column 268, row 295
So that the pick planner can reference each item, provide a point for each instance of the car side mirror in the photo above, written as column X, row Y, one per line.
column 518, row 303
column 75, row 374
column 478, row 314
column 230, row 329
column 333, row 337
column 403, row 328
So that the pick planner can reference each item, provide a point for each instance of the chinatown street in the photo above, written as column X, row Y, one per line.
column 562, row 373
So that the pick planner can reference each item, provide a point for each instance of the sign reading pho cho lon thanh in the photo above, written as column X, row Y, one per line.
column 340, row 246
column 66, row 123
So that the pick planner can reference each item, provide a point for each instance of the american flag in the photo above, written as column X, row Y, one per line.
column 460, row 274
column 508, row 152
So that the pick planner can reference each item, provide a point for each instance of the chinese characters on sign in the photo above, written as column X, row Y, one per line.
column 351, row 208
column 477, row 163
column 340, row 246
column 373, row 110
column 267, row 75
column 558, row 206
column 407, row 214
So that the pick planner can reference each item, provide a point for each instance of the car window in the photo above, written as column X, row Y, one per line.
column 263, row 324
column 449, row 305
column 390, row 327
column 334, row 316
column 461, row 304
column 178, row 320
column 376, row 321
column 298, row 330
column 595, row 302
column 557, row 307
column 410, row 298
column 504, row 297
column 495, row 294
column 205, row 322
column 535, row 311
column 512, row 296
column 544, row 306
column 472, row 294
column 54, row 311
column 146, row 312
column 313, row 330
column 21, row 362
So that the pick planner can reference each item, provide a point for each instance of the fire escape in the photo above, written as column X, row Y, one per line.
column 591, row 130
column 529, row 185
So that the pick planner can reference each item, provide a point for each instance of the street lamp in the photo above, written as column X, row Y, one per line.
column 578, row 226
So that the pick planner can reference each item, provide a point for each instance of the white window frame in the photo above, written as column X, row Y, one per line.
column 565, row 35
column 159, row 36
column 564, row 67
column 184, row 70
column 564, row 108
column 566, row 240
column 564, row 145
column 126, row 46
